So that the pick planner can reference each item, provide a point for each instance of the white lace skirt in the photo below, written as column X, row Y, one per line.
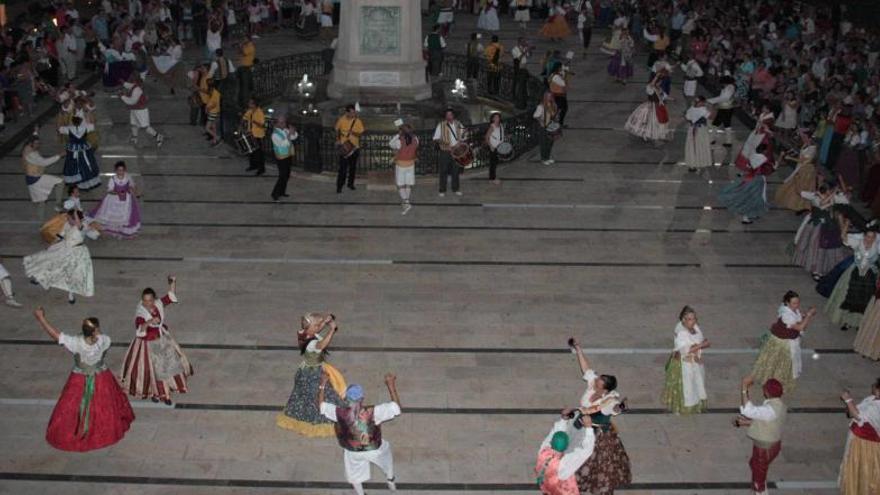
column 62, row 267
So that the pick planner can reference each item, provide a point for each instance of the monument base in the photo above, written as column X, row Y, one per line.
column 378, row 83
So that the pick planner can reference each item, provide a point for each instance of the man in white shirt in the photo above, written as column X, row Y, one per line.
column 67, row 54
column 359, row 433
column 724, row 114
column 220, row 67
column 764, row 424
column 139, row 115
column 448, row 134
column 565, row 449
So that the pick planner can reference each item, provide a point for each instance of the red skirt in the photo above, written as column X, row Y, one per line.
column 108, row 416
column 155, row 368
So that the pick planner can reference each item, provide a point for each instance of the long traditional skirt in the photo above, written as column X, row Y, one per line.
column 556, row 27
column 643, row 123
column 745, row 197
column 825, row 285
column 81, row 167
column 788, row 195
column 619, row 68
column 103, row 421
column 301, row 414
column 774, row 361
column 809, row 252
column 155, row 368
column 867, row 341
column 850, row 297
column 697, row 147
column 607, row 469
column 118, row 218
column 673, row 390
column 860, row 469
column 62, row 267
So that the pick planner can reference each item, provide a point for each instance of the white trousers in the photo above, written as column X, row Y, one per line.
column 357, row 464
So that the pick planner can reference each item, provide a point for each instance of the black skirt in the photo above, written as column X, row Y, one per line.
column 860, row 290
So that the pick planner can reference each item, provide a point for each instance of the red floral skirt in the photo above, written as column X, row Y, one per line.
column 80, row 426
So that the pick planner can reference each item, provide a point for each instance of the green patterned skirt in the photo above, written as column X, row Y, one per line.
column 774, row 361
column 673, row 391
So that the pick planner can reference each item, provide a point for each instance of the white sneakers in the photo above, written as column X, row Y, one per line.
column 159, row 140
column 12, row 303
column 406, row 208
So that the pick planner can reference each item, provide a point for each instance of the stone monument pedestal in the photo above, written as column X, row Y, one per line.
column 379, row 52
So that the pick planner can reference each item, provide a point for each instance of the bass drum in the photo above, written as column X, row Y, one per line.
column 505, row 151
column 463, row 154
column 554, row 130
column 245, row 143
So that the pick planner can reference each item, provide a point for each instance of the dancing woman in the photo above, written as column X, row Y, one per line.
column 80, row 166
column 860, row 469
column 92, row 412
column 119, row 213
column 780, row 354
column 301, row 414
column 154, row 364
column 803, row 178
column 65, row 265
column 747, row 195
column 818, row 246
column 608, row 467
column 685, row 389
column 856, row 285
column 649, row 120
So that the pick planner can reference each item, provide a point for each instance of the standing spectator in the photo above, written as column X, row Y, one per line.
column 435, row 44
column 493, row 55
column 248, row 54
column 67, row 54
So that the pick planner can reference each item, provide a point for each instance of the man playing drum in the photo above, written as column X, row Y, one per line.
column 253, row 123
column 449, row 135
column 545, row 114
column 349, row 128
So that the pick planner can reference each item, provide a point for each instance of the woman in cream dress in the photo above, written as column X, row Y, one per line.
column 685, row 389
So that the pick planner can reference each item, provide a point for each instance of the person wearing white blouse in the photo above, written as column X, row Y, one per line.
column 860, row 468
column 856, row 285
column 608, row 467
column 92, row 411
column 493, row 138
column 685, row 388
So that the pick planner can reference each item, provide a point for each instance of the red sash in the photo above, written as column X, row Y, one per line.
column 865, row 432
column 780, row 330
column 662, row 113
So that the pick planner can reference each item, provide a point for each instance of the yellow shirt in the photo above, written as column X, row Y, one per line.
column 256, row 120
column 343, row 125
column 248, row 53
column 212, row 103
column 490, row 54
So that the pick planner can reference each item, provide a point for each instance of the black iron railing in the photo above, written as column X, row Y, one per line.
column 316, row 148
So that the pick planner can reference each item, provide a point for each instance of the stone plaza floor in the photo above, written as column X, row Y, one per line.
column 469, row 300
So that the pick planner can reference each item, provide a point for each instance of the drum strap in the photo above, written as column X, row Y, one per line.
column 451, row 128
column 348, row 133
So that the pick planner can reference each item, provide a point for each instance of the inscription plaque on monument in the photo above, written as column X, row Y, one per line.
column 379, row 79
column 380, row 30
